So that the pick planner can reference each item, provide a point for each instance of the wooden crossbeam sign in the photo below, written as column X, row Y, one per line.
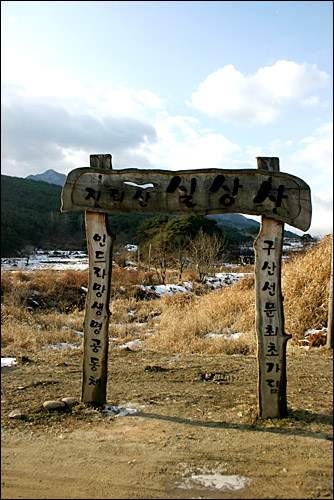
column 278, row 197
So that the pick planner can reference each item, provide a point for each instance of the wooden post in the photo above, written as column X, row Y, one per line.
column 269, row 312
column 276, row 196
column 329, row 342
column 96, row 322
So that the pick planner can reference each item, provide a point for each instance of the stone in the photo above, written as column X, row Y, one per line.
column 53, row 405
column 15, row 414
column 70, row 401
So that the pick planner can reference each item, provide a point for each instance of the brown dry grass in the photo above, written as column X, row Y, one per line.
column 41, row 308
column 47, row 307
column 186, row 320
column 305, row 287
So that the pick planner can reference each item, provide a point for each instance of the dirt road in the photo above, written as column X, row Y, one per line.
column 177, row 426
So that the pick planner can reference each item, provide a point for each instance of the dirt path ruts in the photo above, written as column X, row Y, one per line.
column 194, row 426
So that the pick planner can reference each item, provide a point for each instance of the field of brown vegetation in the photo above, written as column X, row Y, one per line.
column 47, row 307
column 181, row 419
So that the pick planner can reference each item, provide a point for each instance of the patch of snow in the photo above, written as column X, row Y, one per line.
column 162, row 290
column 217, row 481
column 7, row 362
column 312, row 331
column 116, row 411
column 230, row 336
column 141, row 186
column 234, row 336
column 131, row 248
column 308, row 334
column 219, row 280
column 131, row 343
column 224, row 279
column 56, row 259
column 61, row 345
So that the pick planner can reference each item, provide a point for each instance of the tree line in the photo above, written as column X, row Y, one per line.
column 181, row 242
column 31, row 218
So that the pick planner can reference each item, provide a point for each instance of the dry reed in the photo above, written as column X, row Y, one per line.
column 305, row 287
column 187, row 325
column 43, row 307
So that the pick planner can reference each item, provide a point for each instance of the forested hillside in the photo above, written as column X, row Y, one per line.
column 31, row 217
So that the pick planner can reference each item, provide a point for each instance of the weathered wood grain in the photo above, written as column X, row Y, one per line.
column 269, row 320
column 96, row 321
column 278, row 195
column 269, row 313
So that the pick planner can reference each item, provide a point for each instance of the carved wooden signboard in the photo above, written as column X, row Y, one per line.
column 277, row 197
column 197, row 192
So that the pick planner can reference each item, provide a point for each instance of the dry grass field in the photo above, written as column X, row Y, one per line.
column 46, row 307
column 181, row 419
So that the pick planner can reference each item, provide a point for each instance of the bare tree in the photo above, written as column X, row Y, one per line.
column 203, row 252
column 179, row 255
column 27, row 252
column 160, row 257
column 121, row 255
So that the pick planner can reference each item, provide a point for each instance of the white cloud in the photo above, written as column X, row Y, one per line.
column 229, row 95
column 311, row 102
column 287, row 79
column 322, row 213
column 316, row 151
column 182, row 144
column 313, row 162
column 24, row 76
column 53, row 120
column 38, row 134
column 124, row 101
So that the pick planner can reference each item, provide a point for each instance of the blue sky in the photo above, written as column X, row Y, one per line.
column 170, row 85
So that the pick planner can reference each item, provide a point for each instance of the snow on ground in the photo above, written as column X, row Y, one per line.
column 131, row 248
column 55, row 259
column 7, row 362
column 137, row 342
column 217, row 481
column 78, row 260
column 217, row 281
column 313, row 337
column 116, row 411
column 168, row 289
column 225, row 334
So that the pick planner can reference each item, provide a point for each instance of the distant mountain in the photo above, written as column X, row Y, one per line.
column 245, row 226
column 30, row 216
column 49, row 176
column 234, row 220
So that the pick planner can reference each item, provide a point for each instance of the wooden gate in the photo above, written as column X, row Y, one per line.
column 278, row 197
